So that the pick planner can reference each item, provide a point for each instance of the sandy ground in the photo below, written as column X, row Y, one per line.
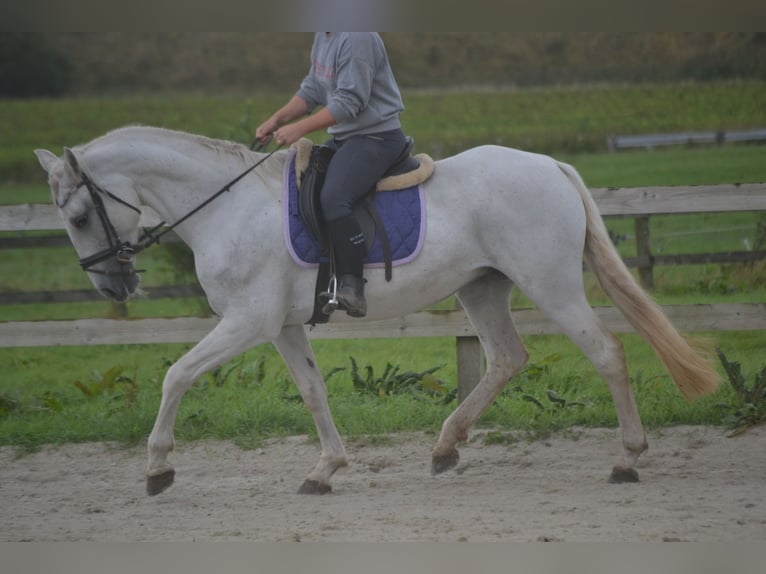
column 697, row 484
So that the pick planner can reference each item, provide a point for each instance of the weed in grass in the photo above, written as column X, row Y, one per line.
column 535, row 372
column 641, row 383
column 252, row 374
column 8, row 404
column 392, row 382
column 110, row 381
column 555, row 402
column 219, row 375
column 749, row 408
column 717, row 283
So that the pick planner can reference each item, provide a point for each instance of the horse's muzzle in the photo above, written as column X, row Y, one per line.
column 118, row 283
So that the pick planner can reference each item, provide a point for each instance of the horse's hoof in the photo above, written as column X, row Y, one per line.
column 314, row 487
column 160, row 482
column 621, row 474
column 444, row 462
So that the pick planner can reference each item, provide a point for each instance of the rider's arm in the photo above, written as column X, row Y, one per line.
column 293, row 109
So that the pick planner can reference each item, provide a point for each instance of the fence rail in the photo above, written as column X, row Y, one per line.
column 637, row 202
column 451, row 323
column 641, row 203
column 649, row 141
column 612, row 201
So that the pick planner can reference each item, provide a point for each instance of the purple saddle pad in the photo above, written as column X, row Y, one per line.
column 402, row 213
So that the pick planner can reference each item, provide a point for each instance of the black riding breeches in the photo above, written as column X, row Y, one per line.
column 359, row 162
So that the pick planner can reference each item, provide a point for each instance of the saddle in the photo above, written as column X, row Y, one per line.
column 311, row 163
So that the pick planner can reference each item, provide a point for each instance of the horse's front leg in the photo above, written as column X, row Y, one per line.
column 296, row 351
column 227, row 340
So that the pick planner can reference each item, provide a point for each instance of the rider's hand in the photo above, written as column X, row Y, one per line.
column 266, row 130
column 288, row 135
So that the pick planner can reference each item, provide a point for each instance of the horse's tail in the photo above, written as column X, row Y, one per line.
column 691, row 370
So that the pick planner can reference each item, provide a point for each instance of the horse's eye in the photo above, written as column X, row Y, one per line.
column 80, row 221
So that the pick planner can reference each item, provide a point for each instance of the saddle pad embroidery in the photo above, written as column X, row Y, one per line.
column 402, row 213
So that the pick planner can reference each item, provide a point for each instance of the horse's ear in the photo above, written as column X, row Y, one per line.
column 47, row 159
column 72, row 162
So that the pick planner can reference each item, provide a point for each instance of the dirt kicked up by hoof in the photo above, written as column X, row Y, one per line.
column 444, row 462
column 159, row 483
column 314, row 487
column 622, row 475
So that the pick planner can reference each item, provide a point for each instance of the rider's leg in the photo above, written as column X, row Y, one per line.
column 355, row 168
column 349, row 244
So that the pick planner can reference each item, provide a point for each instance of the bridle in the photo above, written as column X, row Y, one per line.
column 125, row 252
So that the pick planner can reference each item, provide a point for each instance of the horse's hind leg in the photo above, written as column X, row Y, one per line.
column 294, row 347
column 576, row 318
column 486, row 302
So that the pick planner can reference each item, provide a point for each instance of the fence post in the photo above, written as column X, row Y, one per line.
column 644, row 252
column 470, row 365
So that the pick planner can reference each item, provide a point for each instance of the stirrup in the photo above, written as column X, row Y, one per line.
column 331, row 295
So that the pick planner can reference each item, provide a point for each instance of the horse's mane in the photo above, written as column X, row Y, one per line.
column 237, row 151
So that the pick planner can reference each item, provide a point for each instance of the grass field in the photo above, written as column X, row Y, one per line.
column 565, row 120
column 52, row 395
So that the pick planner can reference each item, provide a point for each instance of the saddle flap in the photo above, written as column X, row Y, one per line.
column 309, row 205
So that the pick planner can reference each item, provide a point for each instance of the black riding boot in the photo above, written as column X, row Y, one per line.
column 348, row 240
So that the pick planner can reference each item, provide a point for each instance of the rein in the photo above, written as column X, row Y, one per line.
column 124, row 251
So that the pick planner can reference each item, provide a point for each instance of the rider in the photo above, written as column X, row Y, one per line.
column 350, row 76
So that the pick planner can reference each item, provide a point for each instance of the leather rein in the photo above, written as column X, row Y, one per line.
column 124, row 251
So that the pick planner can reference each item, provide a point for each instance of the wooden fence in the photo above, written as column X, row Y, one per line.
column 640, row 203
column 649, row 141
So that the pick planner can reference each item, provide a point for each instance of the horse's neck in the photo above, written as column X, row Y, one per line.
column 174, row 173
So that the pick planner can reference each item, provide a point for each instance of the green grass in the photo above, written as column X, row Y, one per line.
column 257, row 399
column 565, row 120
column 578, row 119
column 672, row 166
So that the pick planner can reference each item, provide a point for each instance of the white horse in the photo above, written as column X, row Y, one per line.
column 497, row 217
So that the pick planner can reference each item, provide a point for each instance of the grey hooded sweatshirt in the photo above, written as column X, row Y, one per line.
column 351, row 76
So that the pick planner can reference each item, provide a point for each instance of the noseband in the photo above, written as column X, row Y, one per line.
column 125, row 252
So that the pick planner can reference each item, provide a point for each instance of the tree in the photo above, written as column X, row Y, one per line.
column 31, row 67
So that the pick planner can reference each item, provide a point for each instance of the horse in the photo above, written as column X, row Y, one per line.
column 496, row 217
